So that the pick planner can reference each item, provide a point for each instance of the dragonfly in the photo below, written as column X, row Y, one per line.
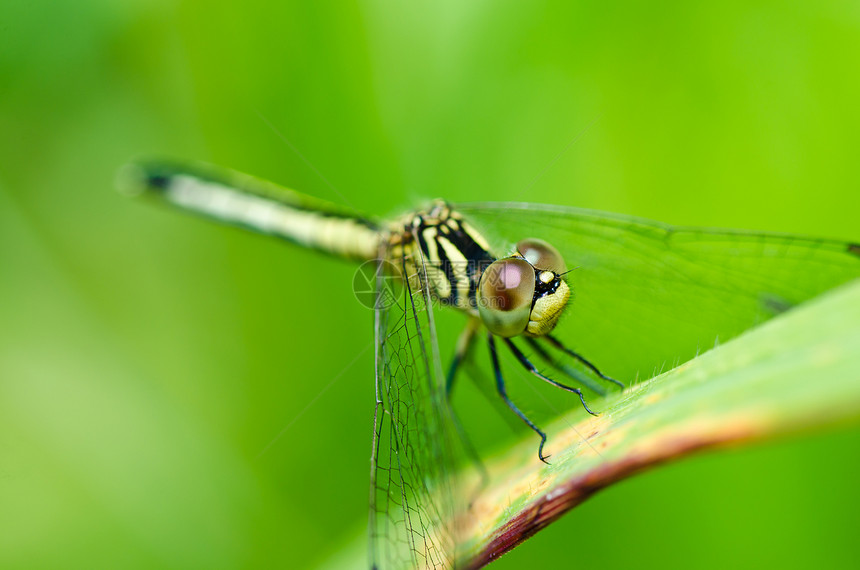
column 572, row 287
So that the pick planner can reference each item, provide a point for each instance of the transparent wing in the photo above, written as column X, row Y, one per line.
column 647, row 296
column 413, row 499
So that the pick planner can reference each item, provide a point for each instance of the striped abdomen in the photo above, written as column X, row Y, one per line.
column 258, row 205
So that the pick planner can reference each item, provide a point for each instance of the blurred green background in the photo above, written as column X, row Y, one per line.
column 177, row 394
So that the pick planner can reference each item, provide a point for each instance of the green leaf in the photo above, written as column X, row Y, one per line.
column 797, row 372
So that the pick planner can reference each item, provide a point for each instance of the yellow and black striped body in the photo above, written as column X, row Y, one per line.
column 454, row 254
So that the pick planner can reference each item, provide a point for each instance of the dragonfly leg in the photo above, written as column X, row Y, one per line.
column 464, row 345
column 557, row 343
column 572, row 373
column 500, row 386
column 531, row 368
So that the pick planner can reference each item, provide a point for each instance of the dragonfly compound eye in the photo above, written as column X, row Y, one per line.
column 541, row 255
column 505, row 296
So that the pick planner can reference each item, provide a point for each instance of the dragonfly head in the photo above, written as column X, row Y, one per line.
column 523, row 293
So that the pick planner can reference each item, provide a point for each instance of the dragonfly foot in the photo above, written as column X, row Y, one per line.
column 541, row 456
column 584, row 405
